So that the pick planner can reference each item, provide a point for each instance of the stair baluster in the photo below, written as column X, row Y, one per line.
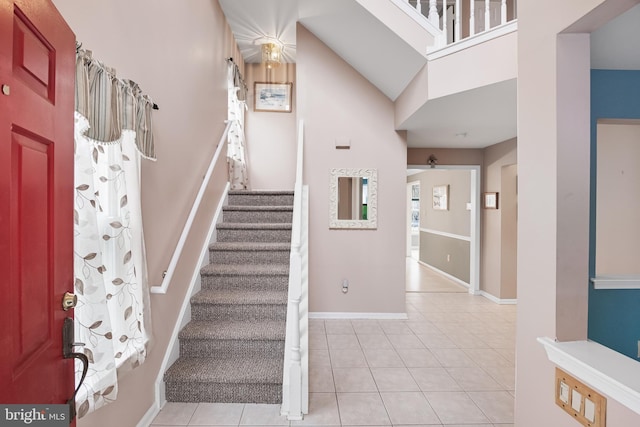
column 433, row 13
column 487, row 15
column 472, row 17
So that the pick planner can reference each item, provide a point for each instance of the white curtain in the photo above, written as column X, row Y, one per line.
column 236, row 152
column 111, row 317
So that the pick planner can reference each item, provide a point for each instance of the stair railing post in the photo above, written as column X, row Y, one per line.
column 419, row 6
column 487, row 15
column 295, row 370
column 458, row 21
column 444, row 22
column 433, row 13
column 472, row 17
column 292, row 402
column 503, row 12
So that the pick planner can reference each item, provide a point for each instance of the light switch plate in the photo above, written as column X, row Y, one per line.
column 576, row 400
column 584, row 404
column 564, row 392
column 589, row 410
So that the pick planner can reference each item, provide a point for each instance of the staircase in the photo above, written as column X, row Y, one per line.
column 232, row 350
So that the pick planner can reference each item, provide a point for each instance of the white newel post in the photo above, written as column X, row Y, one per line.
column 433, row 13
column 295, row 370
column 458, row 17
column 472, row 17
column 487, row 15
column 503, row 12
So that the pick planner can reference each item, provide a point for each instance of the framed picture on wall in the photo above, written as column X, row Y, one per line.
column 274, row 97
column 441, row 197
column 490, row 200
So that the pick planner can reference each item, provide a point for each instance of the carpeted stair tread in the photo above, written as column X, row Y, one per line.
column 259, row 208
column 250, row 246
column 232, row 350
column 245, row 269
column 254, row 226
column 226, row 371
column 260, row 192
column 234, row 330
column 239, row 297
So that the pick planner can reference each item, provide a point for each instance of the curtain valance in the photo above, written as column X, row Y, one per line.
column 112, row 105
column 238, row 81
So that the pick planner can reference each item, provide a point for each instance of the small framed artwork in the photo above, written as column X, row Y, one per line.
column 274, row 97
column 490, row 200
column 441, row 197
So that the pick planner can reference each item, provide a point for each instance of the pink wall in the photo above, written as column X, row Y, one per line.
column 336, row 102
column 617, row 227
column 495, row 158
column 445, row 156
column 271, row 137
column 494, row 61
column 553, row 184
column 176, row 54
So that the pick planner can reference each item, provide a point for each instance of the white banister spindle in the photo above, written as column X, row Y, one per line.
column 458, row 21
column 503, row 12
column 419, row 6
column 433, row 13
column 445, row 31
column 487, row 15
column 472, row 17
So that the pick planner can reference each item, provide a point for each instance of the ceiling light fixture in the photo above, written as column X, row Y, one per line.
column 432, row 161
column 271, row 55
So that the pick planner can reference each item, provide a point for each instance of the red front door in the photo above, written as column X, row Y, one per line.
column 37, row 68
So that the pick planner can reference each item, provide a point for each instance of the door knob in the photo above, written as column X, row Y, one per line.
column 6, row 90
column 69, row 300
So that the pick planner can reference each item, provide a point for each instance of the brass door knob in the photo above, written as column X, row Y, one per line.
column 69, row 300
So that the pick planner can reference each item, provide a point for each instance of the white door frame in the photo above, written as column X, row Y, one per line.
column 474, row 253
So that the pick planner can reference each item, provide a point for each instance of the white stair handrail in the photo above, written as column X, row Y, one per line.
column 168, row 274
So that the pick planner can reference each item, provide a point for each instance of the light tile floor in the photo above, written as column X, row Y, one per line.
column 450, row 364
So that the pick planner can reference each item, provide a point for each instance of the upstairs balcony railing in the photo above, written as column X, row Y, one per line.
column 460, row 19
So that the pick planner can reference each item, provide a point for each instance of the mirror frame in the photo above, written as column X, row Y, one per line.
column 372, row 194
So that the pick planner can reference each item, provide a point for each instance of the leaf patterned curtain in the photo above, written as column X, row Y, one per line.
column 236, row 151
column 111, row 317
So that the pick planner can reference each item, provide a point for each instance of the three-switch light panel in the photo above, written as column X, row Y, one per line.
column 587, row 406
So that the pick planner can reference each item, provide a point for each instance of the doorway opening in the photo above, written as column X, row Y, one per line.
column 448, row 229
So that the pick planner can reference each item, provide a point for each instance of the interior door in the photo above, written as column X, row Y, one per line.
column 37, row 68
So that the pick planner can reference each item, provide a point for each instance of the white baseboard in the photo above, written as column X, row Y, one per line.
column 352, row 315
column 497, row 300
column 149, row 416
column 447, row 275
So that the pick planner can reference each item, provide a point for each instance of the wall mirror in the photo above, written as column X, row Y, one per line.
column 353, row 196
